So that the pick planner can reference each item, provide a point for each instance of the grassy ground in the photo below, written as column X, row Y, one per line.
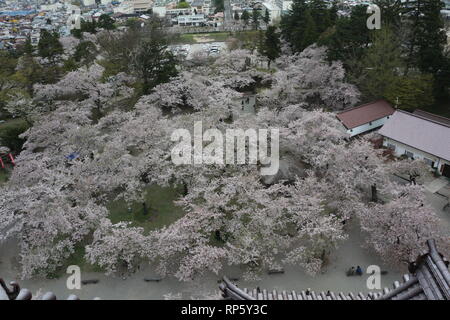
column 12, row 123
column 161, row 209
column 247, row 35
column 77, row 258
column 9, row 132
column 4, row 174
column 161, row 212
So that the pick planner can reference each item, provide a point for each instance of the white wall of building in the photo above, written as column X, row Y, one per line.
column 284, row 5
column 51, row 7
column 74, row 20
column 367, row 127
column 140, row 5
column 274, row 11
column 159, row 11
column 402, row 149
column 192, row 20
column 124, row 8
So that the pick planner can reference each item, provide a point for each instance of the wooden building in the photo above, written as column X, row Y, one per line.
column 419, row 135
column 366, row 117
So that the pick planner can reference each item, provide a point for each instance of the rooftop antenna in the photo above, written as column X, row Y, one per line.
column 396, row 103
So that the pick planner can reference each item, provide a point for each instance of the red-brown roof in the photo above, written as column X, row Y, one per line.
column 357, row 116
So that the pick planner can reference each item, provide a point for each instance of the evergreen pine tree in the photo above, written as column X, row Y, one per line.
column 271, row 47
column 106, row 22
column 428, row 43
column 350, row 39
column 266, row 17
column 49, row 45
column 245, row 16
column 310, row 34
column 255, row 18
column 28, row 47
column 293, row 25
column 381, row 65
column 320, row 15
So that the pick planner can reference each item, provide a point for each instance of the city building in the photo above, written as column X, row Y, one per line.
column 159, row 11
column 273, row 9
column 124, row 8
column 140, row 6
column 284, row 5
column 201, row 6
column 74, row 20
column 191, row 20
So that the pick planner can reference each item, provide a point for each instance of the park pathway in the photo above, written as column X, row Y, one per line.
column 437, row 184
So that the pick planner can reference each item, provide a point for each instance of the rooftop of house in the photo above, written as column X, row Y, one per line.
column 431, row 116
column 357, row 116
column 417, row 131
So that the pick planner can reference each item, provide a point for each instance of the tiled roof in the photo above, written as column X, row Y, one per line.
column 418, row 132
column 357, row 116
column 14, row 292
column 430, row 279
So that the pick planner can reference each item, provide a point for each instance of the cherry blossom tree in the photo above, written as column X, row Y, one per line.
column 117, row 246
column 85, row 149
column 69, row 44
column 397, row 230
column 238, row 220
column 307, row 77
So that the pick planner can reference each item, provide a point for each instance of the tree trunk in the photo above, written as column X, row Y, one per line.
column 144, row 205
column 374, row 193
column 185, row 189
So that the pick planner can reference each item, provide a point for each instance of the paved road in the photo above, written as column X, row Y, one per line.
column 437, row 184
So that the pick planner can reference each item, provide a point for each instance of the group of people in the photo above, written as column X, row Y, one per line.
column 352, row 271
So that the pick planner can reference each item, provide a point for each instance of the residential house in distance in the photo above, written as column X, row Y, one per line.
column 191, row 20
column 366, row 117
column 419, row 135
column 74, row 20
column 284, row 5
column 139, row 6
column 201, row 6
column 274, row 11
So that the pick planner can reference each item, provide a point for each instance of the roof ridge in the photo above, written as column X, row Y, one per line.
column 433, row 114
column 365, row 104
column 423, row 118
